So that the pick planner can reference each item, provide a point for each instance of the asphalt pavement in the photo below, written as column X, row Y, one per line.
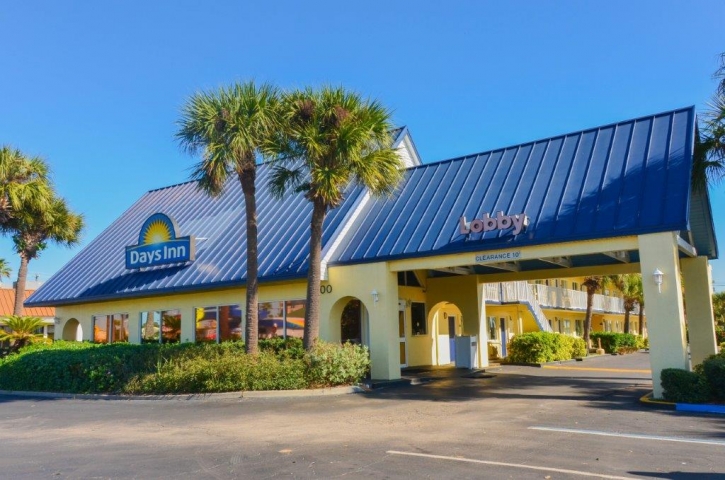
column 567, row 421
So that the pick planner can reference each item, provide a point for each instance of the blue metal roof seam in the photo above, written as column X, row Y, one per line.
column 626, row 178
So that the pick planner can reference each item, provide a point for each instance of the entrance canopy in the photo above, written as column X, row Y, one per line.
column 616, row 181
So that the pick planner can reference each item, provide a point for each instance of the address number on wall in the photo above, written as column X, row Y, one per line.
column 325, row 289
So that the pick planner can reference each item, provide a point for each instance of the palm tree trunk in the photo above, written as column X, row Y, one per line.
column 588, row 317
column 247, row 178
column 312, row 314
column 20, row 285
column 641, row 319
column 626, row 320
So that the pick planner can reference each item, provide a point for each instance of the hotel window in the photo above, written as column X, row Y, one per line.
column 574, row 286
column 170, row 326
column 150, row 327
column 563, row 284
column 567, row 326
column 282, row 319
column 579, row 327
column 417, row 316
column 492, row 330
column 110, row 328
column 214, row 324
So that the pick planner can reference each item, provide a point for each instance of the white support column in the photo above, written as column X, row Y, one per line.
column 698, row 298
column 482, row 327
column 665, row 312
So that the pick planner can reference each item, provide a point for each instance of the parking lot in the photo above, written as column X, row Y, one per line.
column 574, row 420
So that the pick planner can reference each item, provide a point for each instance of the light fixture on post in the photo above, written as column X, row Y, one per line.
column 658, row 276
column 376, row 296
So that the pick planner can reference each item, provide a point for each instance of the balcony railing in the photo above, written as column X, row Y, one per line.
column 553, row 297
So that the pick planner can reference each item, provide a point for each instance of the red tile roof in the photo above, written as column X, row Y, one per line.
column 7, row 302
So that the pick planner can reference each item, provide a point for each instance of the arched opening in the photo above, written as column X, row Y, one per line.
column 446, row 323
column 72, row 331
column 351, row 322
column 349, row 318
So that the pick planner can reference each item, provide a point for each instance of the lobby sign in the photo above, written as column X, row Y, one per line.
column 488, row 223
column 158, row 244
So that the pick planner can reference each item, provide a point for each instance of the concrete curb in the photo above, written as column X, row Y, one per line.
column 225, row 396
column 557, row 362
column 683, row 407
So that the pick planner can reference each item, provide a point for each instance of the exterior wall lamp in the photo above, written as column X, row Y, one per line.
column 657, row 276
column 376, row 296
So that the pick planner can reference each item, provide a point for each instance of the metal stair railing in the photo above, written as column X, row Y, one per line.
column 522, row 292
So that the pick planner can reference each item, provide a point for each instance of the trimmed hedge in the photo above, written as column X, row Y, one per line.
column 681, row 386
column 713, row 370
column 75, row 367
column 612, row 341
column 541, row 347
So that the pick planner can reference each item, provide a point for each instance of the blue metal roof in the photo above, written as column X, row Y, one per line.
column 627, row 178
column 98, row 272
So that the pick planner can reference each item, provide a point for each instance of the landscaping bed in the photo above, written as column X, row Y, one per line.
column 122, row 368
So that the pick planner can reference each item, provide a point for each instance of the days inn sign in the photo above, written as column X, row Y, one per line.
column 158, row 244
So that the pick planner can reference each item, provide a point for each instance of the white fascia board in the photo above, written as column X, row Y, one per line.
column 342, row 232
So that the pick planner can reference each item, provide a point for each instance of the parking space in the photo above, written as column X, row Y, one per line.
column 512, row 422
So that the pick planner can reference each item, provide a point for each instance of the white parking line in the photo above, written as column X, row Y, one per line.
column 513, row 465
column 632, row 435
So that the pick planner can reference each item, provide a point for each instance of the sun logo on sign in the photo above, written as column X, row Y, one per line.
column 157, row 229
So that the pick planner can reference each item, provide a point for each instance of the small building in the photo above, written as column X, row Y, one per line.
column 47, row 314
column 445, row 263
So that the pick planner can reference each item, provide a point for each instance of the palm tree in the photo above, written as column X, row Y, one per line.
column 330, row 138
column 23, row 182
column 228, row 127
column 5, row 269
column 639, row 294
column 592, row 283
column 630, row 286
column 22, row 330
column 709, row 159
column 33, row 229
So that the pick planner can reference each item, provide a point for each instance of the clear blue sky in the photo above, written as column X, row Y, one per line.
column 96, row 87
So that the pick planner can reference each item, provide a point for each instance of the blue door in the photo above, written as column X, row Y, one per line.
column 452, row 336
column 503, row 337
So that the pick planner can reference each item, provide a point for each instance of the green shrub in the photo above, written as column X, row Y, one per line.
column 332, row 364
column 541, row 347
column 235, row 371
column 290, row 347
column 713, row 369
column 76, row 367
column 612, row 341
column 681, row 386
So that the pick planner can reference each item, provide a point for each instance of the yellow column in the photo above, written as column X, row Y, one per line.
column 665, row 312
column 698, row 298
column 482, row 327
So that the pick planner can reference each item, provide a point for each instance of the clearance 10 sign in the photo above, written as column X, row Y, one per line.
column 158, row 244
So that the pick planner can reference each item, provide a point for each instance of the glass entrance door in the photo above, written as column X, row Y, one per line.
column 401, row 335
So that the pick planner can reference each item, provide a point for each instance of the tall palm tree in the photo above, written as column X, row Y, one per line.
column 331, row 137
column 23, row 182
column 33, row 229
column 709, row 159
column 228, row 127
column 639, row 295
column 593, row 284
column 21, row 330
